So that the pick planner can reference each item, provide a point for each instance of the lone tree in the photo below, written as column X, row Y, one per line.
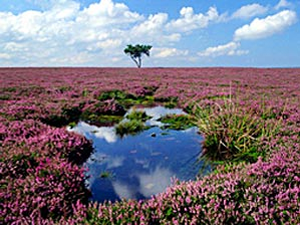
column 136, row 52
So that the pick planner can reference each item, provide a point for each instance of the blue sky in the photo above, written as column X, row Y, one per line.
column 192, row 33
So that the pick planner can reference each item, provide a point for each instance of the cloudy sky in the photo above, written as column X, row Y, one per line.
column 263, row 33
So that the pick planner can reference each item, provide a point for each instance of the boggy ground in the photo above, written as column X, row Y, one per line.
column 42, row 178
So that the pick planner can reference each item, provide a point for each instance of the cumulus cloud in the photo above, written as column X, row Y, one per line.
column 261, row 28
column 62, row 32
column 229, row 49
column 189, row 21
column 153, row 30
column 249, row 11
column 283, row 4
column 4, row 56
column 168, row 52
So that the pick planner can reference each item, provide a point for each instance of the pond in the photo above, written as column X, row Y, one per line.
column 141, row 165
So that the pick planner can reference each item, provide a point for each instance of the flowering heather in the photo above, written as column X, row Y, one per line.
column 42, row 179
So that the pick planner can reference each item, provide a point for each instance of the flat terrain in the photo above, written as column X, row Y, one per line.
column 42, row 178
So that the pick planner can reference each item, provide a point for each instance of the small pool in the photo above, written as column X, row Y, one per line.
column 139, row 166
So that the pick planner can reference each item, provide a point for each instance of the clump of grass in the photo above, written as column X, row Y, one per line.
column 168, row 102
column 113, row 94
column 138, row 115
column 108, row 119
column 232, row 132
column 177, row 122
column 130, row 127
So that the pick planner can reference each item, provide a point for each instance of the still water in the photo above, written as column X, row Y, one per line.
column 139, row 166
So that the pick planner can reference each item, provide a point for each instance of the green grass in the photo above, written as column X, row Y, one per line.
column 138, row 115
column 233, row 133
column 130, row 127
column 177, row 122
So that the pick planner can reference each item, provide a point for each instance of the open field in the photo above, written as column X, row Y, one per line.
column 42, row 178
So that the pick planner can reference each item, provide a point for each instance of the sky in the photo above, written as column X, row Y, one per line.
column 190, row 33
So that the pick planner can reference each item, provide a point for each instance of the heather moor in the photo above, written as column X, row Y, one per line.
column 249, row 119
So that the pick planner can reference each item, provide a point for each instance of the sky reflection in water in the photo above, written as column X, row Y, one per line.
column 141, row 165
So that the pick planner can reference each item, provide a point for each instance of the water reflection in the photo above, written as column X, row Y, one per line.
column 156, row 113
column 155, row 181
column 140, row 165
column 107, row 133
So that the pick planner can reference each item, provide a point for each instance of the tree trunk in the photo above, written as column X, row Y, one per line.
column 135, row 61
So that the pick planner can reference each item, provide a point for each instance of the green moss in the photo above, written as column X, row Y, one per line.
column 111, row 119
column 113, row 94
column 138, row 115
column 168, row 102
column 137, row 100
column 102, row 120
column 177, row 122
column 130, row 127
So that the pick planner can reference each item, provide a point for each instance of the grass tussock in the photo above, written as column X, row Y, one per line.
column 233, row 132
column 130, row 127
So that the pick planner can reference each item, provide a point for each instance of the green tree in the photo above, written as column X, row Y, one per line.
column 136, row 52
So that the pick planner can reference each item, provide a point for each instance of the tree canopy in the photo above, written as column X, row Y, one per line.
column 136, row 52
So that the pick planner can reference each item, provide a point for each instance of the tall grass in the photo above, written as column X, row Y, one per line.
column 234, row 132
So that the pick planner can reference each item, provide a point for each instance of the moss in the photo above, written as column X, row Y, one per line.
column 138, row 115
column 130, row 127
column 113, row 94
column 177, row 122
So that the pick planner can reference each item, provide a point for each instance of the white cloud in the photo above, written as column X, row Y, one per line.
column 283, row 4
column 61, row 32
column 229, row 49
column 189, row 21
column 107, row 13
column 153, row 30
column 4, row 56
column 168, row 52
column 107, row 133
column 155, row 181
column 249, row 11
column 260, row 28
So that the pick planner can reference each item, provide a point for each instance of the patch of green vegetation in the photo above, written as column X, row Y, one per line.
column 108, row 119
column 67, row 116
column 233, row 133
column 72, row 124
column 146, row 99
column 85, row 93
column 102, row 119
column 4, row 97
column 177, row 122
column 216, row 97
column 9, row 89
column 168, row 102
column 106, row 174
column 138, row 115
column 113, row 94
column 127, row 100
column 63, row 89
column 137, row 100
column 130, row 127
